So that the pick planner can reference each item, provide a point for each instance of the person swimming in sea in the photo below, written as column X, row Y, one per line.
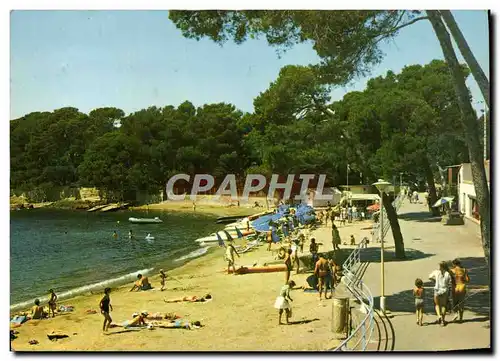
column 115, row 235
column 130, row 235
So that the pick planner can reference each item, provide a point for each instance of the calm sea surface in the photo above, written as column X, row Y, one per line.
column 75, row 252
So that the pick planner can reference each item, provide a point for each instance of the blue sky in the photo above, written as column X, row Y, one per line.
column 135, row 59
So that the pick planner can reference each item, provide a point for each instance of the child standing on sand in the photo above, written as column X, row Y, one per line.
column 52, row 302
column 282, row 301
column 418, row 292
column 162, row 279
column 105, row 306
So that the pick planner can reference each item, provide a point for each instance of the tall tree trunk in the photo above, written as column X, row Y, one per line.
column 429, row 176
column 471, row 130
column 391, row 212
column 477, row 71
column 396, row 230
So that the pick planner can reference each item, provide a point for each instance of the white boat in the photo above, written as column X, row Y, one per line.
column 241, row 225
column 213, row 237
column 145, row 220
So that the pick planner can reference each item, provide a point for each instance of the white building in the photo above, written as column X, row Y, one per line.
column 467, row 203
column 332, row 193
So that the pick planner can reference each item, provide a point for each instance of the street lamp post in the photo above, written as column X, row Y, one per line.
column 485, row 138
column 382, row 187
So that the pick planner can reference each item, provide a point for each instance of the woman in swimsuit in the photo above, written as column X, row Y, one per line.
column 190, row 299
column 105, row 306
column 461, row 278
column 52, row 302
column 288, row 264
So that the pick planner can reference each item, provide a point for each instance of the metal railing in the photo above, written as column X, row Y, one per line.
column 358, row 339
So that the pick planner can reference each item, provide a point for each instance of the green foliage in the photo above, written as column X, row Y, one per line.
column 346, row 41
column 400, row 123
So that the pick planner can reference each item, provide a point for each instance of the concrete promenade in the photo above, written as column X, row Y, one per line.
column 427, row 242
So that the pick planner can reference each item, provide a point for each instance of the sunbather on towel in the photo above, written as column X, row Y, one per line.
column 190, row 299
column 179, row 324
column 142, row 284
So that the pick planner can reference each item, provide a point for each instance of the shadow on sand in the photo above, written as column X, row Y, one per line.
column 419, row 217
column 303, row 322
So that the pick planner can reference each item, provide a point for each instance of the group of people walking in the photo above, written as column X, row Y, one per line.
column 449, row 292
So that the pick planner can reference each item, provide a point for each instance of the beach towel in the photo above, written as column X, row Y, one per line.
column 126, row 325
column 19, row 319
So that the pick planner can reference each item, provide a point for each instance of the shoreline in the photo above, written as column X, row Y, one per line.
column 248, row 297
column 177, row 207
column 203, row 207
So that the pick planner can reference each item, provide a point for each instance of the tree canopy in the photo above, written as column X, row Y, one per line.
column 399, row 123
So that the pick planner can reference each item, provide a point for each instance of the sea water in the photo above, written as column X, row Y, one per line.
column 75, row 252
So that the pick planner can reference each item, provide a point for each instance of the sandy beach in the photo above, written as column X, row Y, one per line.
column 240, row 317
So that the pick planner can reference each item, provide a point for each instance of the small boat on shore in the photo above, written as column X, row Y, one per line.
column 145, row 220
column 96, row 208
column 229, row 219
column 223, row 235
column 113, row 207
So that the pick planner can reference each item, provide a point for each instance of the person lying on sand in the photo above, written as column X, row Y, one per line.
column 162, row 316
column 179, row 324
column 190, row 299
column 37, row 312
column 137, row 321
column 105, row 306
column 142, row 284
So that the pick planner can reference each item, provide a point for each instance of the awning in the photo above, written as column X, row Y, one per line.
column 363, row 197
column 442, row 201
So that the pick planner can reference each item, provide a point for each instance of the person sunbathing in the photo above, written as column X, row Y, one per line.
column 178, row 324
column 190, row 299
column 142, row 284
column 37, row 312
column 137, row 321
